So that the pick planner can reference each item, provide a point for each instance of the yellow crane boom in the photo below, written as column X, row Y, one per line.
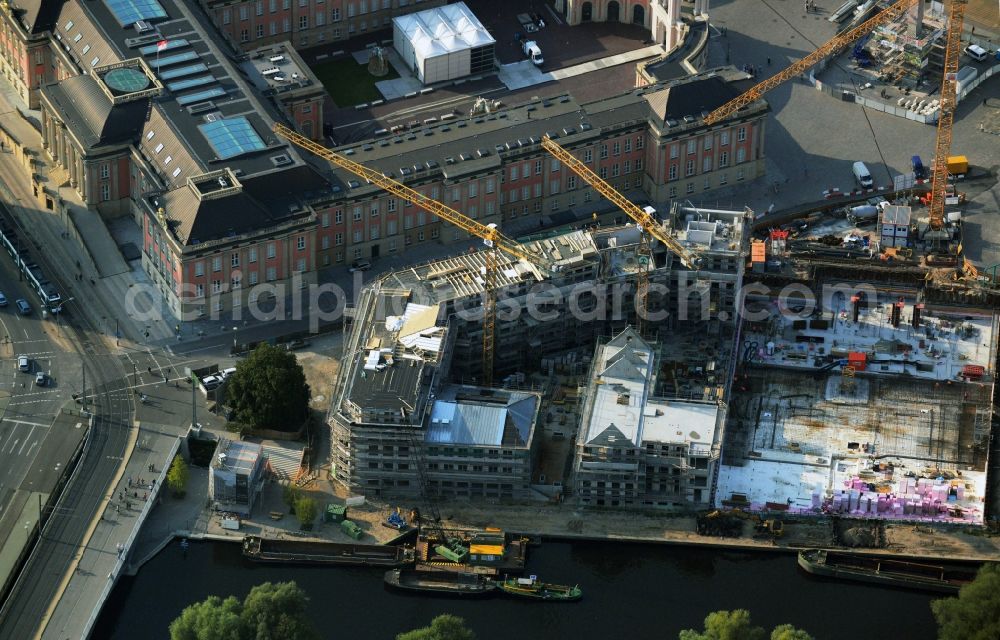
column 645, row 221
column 489, row 233
column 942, row 144
column 834, row 45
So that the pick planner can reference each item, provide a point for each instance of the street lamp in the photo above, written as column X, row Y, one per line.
column 234, row 337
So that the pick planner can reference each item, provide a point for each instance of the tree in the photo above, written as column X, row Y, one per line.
column 212, row 619
column 975, row 613
column 726, row 625
column 443, row 627
column 269, row 390
column 291, row 494
column 177, row 477
column 305, row 510
column 269, row 612
column 788, row 632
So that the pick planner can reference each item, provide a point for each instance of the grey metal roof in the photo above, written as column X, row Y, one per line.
column 84, row 107
column 36, row 15
column 465, row 415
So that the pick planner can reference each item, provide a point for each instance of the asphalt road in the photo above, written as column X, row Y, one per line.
column 26, row 410
column 64, row 532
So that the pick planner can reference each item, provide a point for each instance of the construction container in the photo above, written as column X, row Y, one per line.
column 958, row 165
column 858, row 360
column 335, row 513
column 351, row 529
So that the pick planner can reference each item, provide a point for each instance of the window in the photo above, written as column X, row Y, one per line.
column 706, row 164
column 739, row 174
column 374, row 209
column 588, row 155
column 538, row 188
column 168, row 160
column 357, row 236
column 105, row 171
column 303, row 22
column 227, row 16
column 707, row 184
column 320, row 18
column 253, row 278
column 338, row 239
column 571, row 183
column 689, row 169
column 300, row 266
column 237, row 281
column 260, row 30
column 456, row 194
column 708, row 142
column 627, row 166
column 514, row 173
column 618, row 149
column 490, row 208
column 335, row 14
column 390, row 205
column 603, row 173
column 690, row 188
column 216, row 286
column 556, row 165
column 472, row 211
column 234, row 259
column 526, row 192
column 628, row 144
column 741, row 155
column 420, row 236
column 672, row 193
column 357, row 213
column 326, row 219
column 392, row 245
column 244, row 35
column 638, row 164
column 272, row 274
column 373, row 233
column 473, row 189
column 723, row 159
column 325, row 242
column 260, row 7
column 273, row 6
column 216, row 264
column 286, row 25
column 390, row 229
column 199, row 269
column 244, row 12
column 741, row 134
column 538, row 167
column 350, row 10
column 674, row 150
column 105, row 192
column 301, row 243
column 273, row 28
column 604, row 151
column 640, row 142
column 615, row 170
column 587, row 195
column 490, row 185
column 692, row 147
column 513, row 195
column 199, row 291
column 723, row 138
column 722, row 179
column 253, row 255
column 271, row 252
column 158, row 148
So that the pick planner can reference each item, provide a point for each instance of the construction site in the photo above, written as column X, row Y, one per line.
column 625, row 366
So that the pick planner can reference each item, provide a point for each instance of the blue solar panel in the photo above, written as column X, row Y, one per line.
column 166, row 61
column 190, row 83
column 129, row 12
column 180, row 72
column 232, row 137
column 171, row 44
column 207, row 94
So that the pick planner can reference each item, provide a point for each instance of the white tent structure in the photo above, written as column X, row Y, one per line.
column 443, row 43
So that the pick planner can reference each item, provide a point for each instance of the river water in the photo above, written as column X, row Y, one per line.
column 630, row 591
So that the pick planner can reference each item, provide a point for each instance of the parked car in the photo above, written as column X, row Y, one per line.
column 23, row 307
column 976, row 52
column 211, row 382
column 227, row 372
column 3, row 300
column 297, row 343
column 41, row 379
column 23, row 364
column 360, row 265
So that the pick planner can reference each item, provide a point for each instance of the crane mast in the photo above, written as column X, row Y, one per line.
column 942, row 144
column 835, row 44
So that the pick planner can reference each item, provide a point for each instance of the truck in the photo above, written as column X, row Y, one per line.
column 533, row 51
column 958, row 166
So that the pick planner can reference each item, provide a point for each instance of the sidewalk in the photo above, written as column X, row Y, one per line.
column 112, row 536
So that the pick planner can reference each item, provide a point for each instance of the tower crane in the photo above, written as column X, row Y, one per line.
column 646, row 222
column 489, row 233
column 942, row 144
column 835, row 44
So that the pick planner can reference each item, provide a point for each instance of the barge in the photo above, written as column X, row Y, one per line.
column 314, row 552
column 452, row 583
column 533, row 589
column 926, row 576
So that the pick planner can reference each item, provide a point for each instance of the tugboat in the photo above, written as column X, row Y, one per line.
column 443, row 582
column 533, row 589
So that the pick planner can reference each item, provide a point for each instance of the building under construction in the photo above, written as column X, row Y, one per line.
column 410, row 413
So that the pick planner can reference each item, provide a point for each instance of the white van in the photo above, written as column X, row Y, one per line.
column 976, row 52
column 862, row 175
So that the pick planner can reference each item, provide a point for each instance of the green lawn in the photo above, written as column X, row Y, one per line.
column 348, row 82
